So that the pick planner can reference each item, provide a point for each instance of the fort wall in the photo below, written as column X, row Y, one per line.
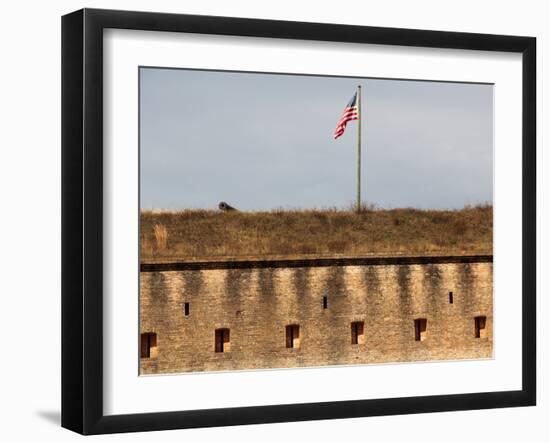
column 347, row 312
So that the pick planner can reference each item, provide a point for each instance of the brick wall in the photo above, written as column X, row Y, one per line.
column 257, row 303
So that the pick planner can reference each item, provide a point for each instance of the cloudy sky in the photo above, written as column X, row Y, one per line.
column 264, row 141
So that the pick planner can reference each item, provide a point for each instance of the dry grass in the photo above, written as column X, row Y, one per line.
column 205, row 234
column 161, row 236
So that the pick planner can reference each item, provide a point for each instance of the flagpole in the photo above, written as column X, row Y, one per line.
column 360, row 115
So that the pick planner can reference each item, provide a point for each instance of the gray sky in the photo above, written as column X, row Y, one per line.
column 264, row 141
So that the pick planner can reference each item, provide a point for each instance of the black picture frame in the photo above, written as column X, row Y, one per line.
column 82, row 218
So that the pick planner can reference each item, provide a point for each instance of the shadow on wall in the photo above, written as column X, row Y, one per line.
column 54, row 417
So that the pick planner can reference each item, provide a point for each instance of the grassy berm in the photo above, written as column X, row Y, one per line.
column 214, row 235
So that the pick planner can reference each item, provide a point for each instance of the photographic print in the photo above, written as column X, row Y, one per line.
column 293, row 221
column 273, row 221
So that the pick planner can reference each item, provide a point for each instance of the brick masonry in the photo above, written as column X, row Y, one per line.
column 256, row 303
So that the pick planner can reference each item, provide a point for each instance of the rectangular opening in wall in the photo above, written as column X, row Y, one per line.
column 325, row 302
column 186, row 308
column 420, row 325
column 357, row 333
column 148, row 344
column 293, row 336
column 480, row 330
column 451, row 298
column 223, row 343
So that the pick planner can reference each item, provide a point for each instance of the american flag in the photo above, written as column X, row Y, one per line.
column 351, row 112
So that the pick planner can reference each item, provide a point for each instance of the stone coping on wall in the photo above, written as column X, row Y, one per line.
column 313, row 262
